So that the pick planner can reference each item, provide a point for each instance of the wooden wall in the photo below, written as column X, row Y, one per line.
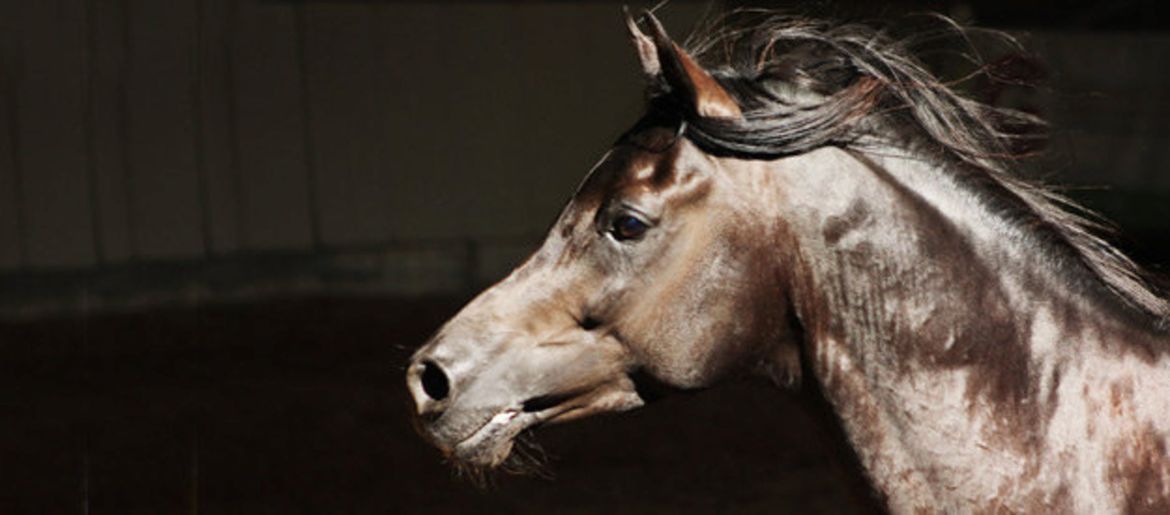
column 142, row 131
column 138, row 130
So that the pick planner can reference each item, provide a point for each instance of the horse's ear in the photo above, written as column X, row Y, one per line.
column 662, row 59
column 647, row 52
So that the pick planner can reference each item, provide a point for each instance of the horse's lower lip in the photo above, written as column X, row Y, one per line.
column 489, row 444
column 492, row 437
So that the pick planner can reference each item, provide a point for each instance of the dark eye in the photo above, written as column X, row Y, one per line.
column 627, row 227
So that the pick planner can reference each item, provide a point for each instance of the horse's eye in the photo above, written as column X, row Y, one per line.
column 627, row 227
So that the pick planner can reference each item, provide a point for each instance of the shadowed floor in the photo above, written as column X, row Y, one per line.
column 299, row 407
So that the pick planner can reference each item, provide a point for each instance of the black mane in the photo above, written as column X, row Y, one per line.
column 805, row 84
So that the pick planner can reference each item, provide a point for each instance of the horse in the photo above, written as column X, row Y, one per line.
column 807, row 201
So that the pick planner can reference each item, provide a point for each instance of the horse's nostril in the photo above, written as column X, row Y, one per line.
column 590, row 323
column 434, row 381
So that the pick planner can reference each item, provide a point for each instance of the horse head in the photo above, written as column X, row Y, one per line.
column 659, row 268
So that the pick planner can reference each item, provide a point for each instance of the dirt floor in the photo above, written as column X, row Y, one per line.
column 299, row 407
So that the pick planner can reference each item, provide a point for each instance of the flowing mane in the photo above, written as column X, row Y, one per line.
column 805, row 84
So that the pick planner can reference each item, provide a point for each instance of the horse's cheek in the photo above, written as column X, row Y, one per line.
column 704, row 345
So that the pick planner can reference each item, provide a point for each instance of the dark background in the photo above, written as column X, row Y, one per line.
column 224, row 226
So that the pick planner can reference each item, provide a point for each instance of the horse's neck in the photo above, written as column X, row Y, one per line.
column 965, row 372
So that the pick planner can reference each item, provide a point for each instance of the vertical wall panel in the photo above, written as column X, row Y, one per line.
column 454, row 113
column 108, row 54
column 52, row 141
column 165, row 204
column 10, row 222
column 269, row 116
column 220, row 140
column 421, row 131
column 10, row 177
column 354, row 146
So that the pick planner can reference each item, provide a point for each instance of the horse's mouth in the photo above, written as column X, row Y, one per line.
column 491, row 443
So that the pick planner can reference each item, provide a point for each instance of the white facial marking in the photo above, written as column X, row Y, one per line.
column 644, row 173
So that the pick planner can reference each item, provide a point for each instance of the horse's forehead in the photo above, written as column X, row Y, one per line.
column 666, row 173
